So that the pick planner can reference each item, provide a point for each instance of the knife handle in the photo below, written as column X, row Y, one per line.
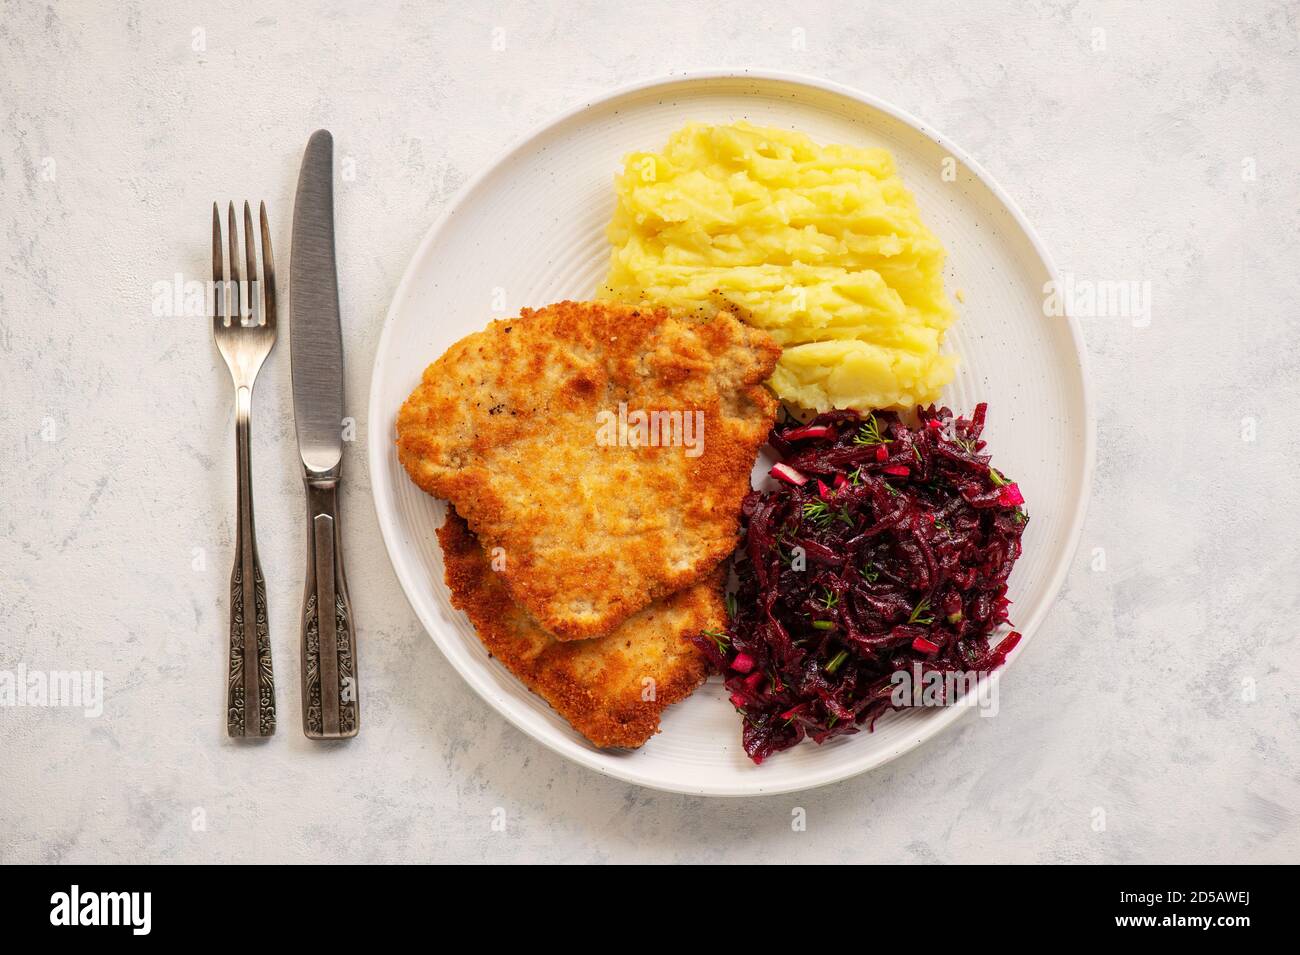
column 329, row 643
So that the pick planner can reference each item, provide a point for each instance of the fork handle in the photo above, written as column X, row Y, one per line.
column 329, row 643
column 250, row 709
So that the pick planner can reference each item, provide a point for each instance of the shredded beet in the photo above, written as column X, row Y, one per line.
column 896, row 555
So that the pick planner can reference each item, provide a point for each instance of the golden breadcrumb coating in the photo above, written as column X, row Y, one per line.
column 611, row 689
column 512, row 425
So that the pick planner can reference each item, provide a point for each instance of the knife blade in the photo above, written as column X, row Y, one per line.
column 315, row 325
column 330, row 707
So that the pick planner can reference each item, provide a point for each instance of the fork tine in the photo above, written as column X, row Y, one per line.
column 268, row 269
column 218, row 269
column 236, row 297
column 250, row 257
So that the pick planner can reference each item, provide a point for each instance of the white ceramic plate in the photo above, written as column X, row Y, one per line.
column 530, row 230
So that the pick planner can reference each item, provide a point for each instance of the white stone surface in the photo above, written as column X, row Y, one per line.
column 1123, row 130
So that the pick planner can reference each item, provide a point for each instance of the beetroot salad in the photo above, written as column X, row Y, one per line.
column 884, row 547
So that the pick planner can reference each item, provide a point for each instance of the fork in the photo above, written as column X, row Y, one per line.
column 244, row 335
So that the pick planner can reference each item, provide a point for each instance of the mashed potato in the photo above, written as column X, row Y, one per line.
column 821, row 246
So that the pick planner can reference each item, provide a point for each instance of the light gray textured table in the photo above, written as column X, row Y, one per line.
column 1154, row 718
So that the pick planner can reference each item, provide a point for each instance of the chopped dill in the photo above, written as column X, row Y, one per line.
column 919, row 610
column 869, row 433
column 720, row 639
column 819, row 512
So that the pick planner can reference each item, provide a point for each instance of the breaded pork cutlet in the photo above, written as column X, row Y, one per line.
column 530, row 428
column 603, row 686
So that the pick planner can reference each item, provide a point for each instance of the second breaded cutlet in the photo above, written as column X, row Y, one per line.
column 507, row 425
column 612, row 689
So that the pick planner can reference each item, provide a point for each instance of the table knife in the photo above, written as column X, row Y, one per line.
column 329, row 648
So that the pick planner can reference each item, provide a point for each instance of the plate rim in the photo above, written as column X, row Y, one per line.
column 380, row 443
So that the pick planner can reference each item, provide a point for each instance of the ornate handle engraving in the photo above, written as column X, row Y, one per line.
column 237, row 716
column 250, row 707
column 329, row 676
